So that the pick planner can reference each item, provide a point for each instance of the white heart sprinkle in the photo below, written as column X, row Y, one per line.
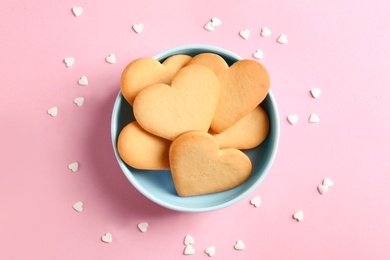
column 107, row 238
column 239, row 245
column 189, row 250
column 327, row 182
column 69, row 61
column 79, row 101
column 77, row 10
column 74, row 166
column 293, row 119
column 138, row 27
column 143, row 227
column 314, row 118
column 53, row 111
column 299, row 215
column 244, row 34
column 78, row 206
column 256, row 201
column 209, row 26
column 210, row 251
column 265, row 32
column 215, row 21
column 315, row 92
column 188, row 240
column 282, row 39
column 111, row 59
column 258, row 54
column 323, row 189
column 83, row 81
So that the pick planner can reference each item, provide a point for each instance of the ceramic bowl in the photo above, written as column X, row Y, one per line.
column 158, row 185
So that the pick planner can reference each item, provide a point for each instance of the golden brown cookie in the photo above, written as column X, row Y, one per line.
column 147, row 71
column 188, row 104
column 244, row 85
column 143, row 150
column 198, row 166
column 247, row 133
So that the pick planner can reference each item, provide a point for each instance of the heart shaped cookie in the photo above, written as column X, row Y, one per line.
column 141, row 149
column 247, row 133
column 188, row 104
column 198, row 166
column 244, row 85
column 143, row 72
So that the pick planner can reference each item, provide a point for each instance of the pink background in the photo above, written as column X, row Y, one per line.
column 341, row 47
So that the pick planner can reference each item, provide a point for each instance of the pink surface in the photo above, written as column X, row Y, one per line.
column 338, row 46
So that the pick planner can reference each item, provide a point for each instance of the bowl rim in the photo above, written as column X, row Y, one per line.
column 272, row 154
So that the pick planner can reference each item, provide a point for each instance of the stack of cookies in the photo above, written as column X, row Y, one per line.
column 194, row 115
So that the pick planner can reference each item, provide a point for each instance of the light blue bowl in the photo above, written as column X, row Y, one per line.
column 158, row 185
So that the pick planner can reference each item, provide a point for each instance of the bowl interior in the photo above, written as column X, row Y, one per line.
column 158, row 185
